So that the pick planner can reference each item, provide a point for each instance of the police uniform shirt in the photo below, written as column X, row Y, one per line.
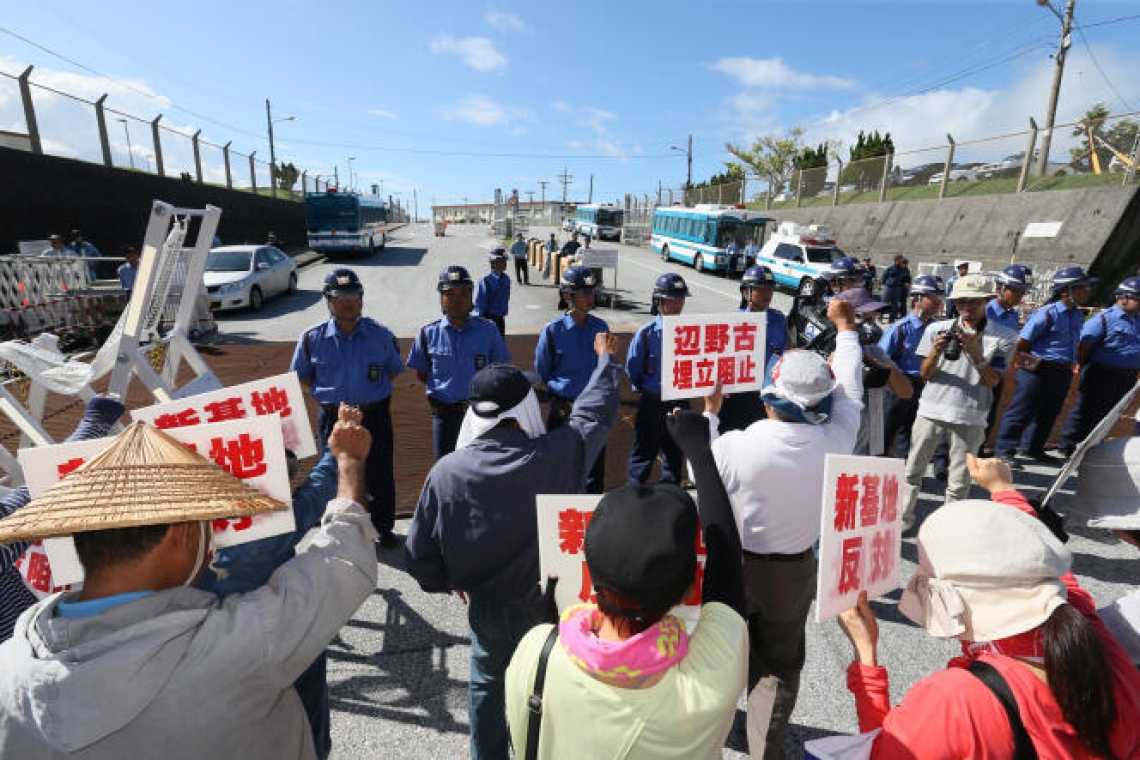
column 1115, row 337
column 493, row 295
column 352, row 368
column 1000, row 315
column 900, row 342
column 454, row 354
column 643, row 361
column 775, row 334
column 519, row 249
column 1053, row 331
column 564, row 357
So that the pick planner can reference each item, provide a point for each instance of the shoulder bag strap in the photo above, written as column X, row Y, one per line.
column 1023, row 748
column 534, row 701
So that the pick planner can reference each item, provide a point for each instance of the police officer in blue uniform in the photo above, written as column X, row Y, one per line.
column 492, row 300
column 757, row 286
column 447, row 353
column 846, row 273
column 352, row 359
column 1109, row 353
column 896, row 284
column 643, row 365
column 1045, row 354
column 900, row 342
column 1011, row 285
column 565, row 358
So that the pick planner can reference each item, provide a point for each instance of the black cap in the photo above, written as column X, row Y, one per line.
column 642, row 544
column 497, row 388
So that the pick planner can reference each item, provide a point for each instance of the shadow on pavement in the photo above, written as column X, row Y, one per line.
column 406, row 681
column 737, row 740
column 392, row 256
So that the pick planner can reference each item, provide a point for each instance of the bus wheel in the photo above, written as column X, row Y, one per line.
column 665, row 253
column 699, row 262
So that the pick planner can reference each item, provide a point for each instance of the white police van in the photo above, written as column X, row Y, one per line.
column 798, row 255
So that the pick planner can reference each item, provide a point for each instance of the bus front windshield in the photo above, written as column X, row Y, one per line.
column 729, row 231
column 609, row 217
column 330, row 211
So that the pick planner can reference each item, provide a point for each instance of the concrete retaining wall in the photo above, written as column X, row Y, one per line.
column 1100, row 228
column 40, row 195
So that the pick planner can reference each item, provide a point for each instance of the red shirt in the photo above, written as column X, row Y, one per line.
column 952, row 714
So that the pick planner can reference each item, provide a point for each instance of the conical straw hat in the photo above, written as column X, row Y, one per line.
column 144, row 478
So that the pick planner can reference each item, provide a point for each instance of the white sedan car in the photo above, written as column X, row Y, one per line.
column 243, row 276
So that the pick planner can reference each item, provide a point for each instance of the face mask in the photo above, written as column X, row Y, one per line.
column 205, row 550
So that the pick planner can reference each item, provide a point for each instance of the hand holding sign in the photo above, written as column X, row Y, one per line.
column 991, row 474
column 862, row 629
column 605, row 343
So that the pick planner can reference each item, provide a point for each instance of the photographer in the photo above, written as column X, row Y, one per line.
column 963, row 359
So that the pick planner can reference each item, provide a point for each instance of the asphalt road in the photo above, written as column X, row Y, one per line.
column 398, row 671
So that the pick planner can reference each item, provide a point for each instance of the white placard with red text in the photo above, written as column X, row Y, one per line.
column 860, row 541
column 562, row 521
column 701, row 350
column 279, row 395
column 251, row 449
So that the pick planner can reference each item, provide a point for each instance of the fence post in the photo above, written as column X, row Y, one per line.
column 768, row 195
column 743, row 190
column 226, row 155
column 946, row 168
column 272, row 179
column 30, row 112
column 197, row 156
column 104, row 141
column 1025, row 162
column 887, row 161
column 799, row 187
column 252, row 172
column 304, row 183
column 157, row 146
column 838, row 180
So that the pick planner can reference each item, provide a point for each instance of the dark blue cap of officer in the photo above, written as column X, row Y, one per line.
column 1071, row 277
column 454, row 276
column 578, row 280
column 1130, row 288
column 927, row 285
column 670, row 285
column 848, row 266
column 497, row 254
column 1014, row 276
column 342, row 282
column 757, row 277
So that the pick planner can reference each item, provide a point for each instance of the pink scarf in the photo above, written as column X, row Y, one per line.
column 621, row 663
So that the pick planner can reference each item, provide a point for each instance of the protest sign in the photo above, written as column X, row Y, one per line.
column 860, row 531
column 279, row 395
column 250, row 449
column 562, row 521
column 699, row 351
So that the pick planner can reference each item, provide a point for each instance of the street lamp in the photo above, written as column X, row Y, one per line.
column 130, row 150
column 270, row 121
column 1058, row 71
column 689, row 155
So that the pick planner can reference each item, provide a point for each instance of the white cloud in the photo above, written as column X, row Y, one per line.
column 504, row 22
column 382, row 113
column 773, row 73
column 477, row 52
column 484, row 112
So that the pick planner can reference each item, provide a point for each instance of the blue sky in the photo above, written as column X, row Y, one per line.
column 455, row 99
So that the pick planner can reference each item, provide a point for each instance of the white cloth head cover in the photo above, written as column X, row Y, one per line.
column 986, row 571
column 527, row 412
column 802, row 377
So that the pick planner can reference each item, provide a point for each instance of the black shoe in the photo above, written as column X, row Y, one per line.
column 1045, row 457
column 389, row 540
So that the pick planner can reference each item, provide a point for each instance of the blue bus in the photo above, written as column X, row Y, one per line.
column 345, row 222
column 601, row 221
column 700, row 234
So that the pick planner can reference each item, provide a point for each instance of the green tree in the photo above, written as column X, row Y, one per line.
column 286, row 176
column 772, row 157
column 1120, row 134
column 810, row 159
column 864, row 169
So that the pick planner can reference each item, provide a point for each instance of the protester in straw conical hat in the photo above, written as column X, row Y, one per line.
column 142, row 663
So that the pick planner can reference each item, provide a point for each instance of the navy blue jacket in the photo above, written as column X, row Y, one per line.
column 475, row 528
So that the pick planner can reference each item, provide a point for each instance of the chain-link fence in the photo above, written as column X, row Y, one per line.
column 58, row 123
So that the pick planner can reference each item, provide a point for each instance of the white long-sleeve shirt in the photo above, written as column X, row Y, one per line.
column 773, row 470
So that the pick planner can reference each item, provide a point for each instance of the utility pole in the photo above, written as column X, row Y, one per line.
column 689, row 172
column 590, row 197
column 566, row 181
column 416, row 203
column 1058, row 72
column 530, row 199
column 336, row 177
column 542, row 183
column 272, row 152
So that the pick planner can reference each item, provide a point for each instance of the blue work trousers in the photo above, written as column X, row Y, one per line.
column 313, row 689
column 381, row 480
column 650, row 438
column 496, row 629
column 895, row 298
column 556, row 417
column 445, row 425
column 1099, row 389
column 1037, row 400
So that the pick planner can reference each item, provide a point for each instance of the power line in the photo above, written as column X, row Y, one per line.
column 1133, row 17
column 1096, row 63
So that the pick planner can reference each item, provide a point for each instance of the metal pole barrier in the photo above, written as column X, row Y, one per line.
column 252, row 172
column 157, row 146
column 30, row 112
column 104, row 141
column 226, row 155
column 197, row 156
column 887, row 161
column 1028, row 159
column 946, row 168
column 799, row 187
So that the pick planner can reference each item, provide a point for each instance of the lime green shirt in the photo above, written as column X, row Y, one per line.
column 687, row 714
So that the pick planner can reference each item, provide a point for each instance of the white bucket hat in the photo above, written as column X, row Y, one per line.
column 972, row 286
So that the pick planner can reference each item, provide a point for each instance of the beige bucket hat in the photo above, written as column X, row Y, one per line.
column 145, row 477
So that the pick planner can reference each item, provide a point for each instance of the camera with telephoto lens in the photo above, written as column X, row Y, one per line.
column 812, row 330
column 953, row 349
